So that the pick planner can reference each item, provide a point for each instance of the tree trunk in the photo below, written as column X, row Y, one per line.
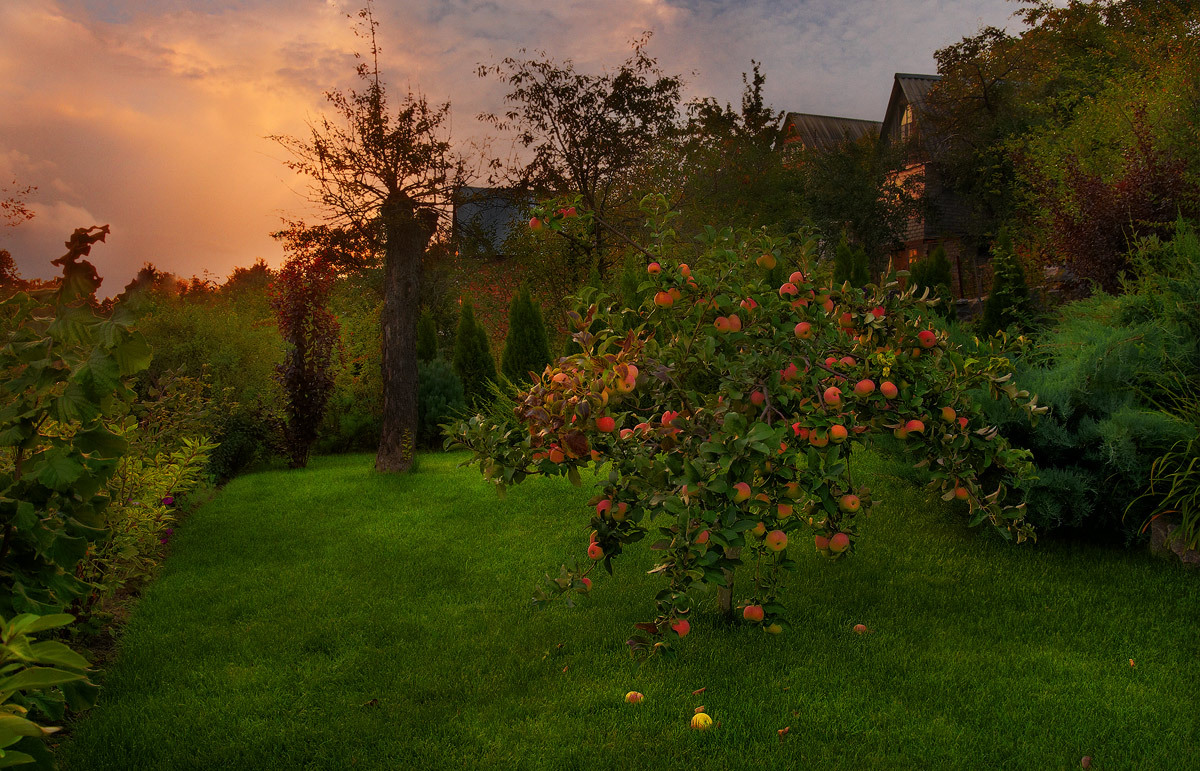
column 725, row 593
column 406, row 232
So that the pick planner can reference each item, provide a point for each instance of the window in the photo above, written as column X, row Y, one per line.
column 908, row 125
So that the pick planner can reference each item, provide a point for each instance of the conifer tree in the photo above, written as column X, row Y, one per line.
column 527, row 347
column 473, row 359
column 933, row 273
column 1009, row 303
column 843, row 262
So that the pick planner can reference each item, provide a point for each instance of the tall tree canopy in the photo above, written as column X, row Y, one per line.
column 385, row 173
column 586, row 134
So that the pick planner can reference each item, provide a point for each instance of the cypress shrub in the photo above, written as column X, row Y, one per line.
column 843, row 262
column 440, row 396
column 473, row 359
column 933, row 273
column 427, row 347
column 1008, row 304
column 527, row 347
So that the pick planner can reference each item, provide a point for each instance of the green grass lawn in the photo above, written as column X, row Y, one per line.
column 333, row 618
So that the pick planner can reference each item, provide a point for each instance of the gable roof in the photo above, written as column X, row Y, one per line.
column 907, row 89
column 821, row 132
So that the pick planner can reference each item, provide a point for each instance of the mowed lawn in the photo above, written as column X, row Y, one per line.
column 333, row 618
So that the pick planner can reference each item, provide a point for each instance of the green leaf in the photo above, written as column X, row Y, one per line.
column 38, row 677
column 12, row 726
column 55, row 653
column 58, row 470
column 75, row 405
column 14, row 758
column 102, row 443
column 52, row 621
column 72, row 324
column 133, row 355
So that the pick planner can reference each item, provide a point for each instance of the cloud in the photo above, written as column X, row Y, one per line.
column 152, row 116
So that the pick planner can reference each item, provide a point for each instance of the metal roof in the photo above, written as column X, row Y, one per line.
column 820, row 132
column 908, row 88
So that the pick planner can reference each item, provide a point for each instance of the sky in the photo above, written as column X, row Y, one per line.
column 152, row 116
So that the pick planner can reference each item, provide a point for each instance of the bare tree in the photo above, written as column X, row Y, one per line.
column 387, row 175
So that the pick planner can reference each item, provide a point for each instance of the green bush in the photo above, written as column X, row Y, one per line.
column 527, row 347
column 473, row 359
column 244, row 436
column 850, row 263
column 354, row 418
column 1118, row 374
column 1009, row 305
column 427, row 347
column 440, row 397
column 933, row 273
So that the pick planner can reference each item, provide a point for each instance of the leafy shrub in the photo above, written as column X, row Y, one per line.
column 45, row 675
column 527, row 347
column 300, row 299
column 245, row 435
column 354, row 418
column 440, row 396
column 473, row 359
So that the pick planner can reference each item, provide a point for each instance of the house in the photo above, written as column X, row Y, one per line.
column 484, row 217
column 943, row 219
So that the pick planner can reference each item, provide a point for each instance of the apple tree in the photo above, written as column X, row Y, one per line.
column 720, row 415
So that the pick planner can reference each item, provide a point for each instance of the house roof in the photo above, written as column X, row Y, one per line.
column 820, row 132
column 907, row 88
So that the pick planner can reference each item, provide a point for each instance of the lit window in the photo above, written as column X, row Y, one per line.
column 907, row 124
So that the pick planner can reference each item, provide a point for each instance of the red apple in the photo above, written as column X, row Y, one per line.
column 702, row 538
column 722, row 324
column 833, row 396
column 759, row 530
column 784, row 510
column 860, row 628
column 889, row 389
column 681, row 627
column 838, row 433
column 804, row 330
column 587, row 584
column 654, row 269
column 914, row 426
column 949, row 415
column 753, row 613
column 664, row 300
column 849, row 503
column 927, row 338
column 603, row 506
column 766, row 262
column 535, row 224
column 776, row 540
column 878, row 311
column 821, row 542
column 788, row 289
column 796, row 278
column 606, row 424
column 735, row 324
column 846, row 320
column 595, row 552
column 684, row 270
column 633, row 697
column 864, row 387
column 757, row 398
column 742, row 492
column 839, row 543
